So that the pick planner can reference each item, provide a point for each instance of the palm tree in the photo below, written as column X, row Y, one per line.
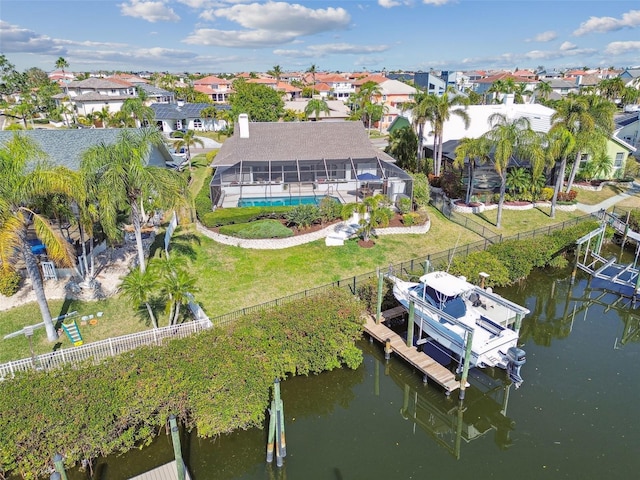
column 276, row 72
column 439, row 110
column 186, row 139
column 135, row 107
column 560, row 144
column 61, row 64
column 25, row 177
column 374, row 212
column 315, row 107
column 590, row 119
column 611, row 88
column 402, row 147
column 476, row 150
column 138, row 287
column 543, row 90
column 103, row 115
column 419, row 115
column 175, row 283
column 510, row 139
column 210, row 112
column 124, row 179
column 312, row 70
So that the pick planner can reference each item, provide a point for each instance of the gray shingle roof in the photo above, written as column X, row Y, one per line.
column 299, row 141
column 173, row 111
column 96, row 83
column 65, row 147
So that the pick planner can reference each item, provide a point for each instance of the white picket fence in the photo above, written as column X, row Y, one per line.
column 110, row 347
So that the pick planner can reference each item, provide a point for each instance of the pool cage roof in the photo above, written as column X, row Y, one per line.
column 308, row 171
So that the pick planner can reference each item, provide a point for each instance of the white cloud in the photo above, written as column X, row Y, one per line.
column 619, row 48
column 544, row 36
column 389, row 3
column 276, row 16
column 208, row 15
column 436, row 2
column 15, row 39
column 269, row 24
column 331, row 49
column 567, row 46
column 149, row 11
column 631, row 19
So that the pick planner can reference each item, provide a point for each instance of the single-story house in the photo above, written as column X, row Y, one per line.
column 337, row 109
column 276, row 162
column 170, row 117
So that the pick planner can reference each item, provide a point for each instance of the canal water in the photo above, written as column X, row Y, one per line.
column 575, row 416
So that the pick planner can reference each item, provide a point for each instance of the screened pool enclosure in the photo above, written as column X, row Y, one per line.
column 348, row 180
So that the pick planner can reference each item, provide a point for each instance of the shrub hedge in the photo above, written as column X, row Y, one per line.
column 512, row 260
column 217, row 381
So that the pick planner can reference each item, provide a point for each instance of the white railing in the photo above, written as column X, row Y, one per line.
column 110, row 347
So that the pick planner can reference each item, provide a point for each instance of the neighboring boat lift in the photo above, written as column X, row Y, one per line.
column 624, row 279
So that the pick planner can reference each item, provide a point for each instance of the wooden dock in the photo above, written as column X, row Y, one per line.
column 167, row 471
column 419, row 360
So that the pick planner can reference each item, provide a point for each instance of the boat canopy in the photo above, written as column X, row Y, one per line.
column 445, row 283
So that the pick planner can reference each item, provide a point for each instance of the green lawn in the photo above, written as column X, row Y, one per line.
column 518, row 221
column 592, row 198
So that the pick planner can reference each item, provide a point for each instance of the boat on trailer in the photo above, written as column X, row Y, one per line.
column 450, row 310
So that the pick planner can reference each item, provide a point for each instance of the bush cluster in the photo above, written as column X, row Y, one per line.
column 567, row 197
column 9, row 282
column 258, row 229
column 217, row 381
column 511, row 261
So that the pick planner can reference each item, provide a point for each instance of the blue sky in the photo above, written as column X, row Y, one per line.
column 218, row 36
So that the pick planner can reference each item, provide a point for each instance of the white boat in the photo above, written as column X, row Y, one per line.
column 448, row 309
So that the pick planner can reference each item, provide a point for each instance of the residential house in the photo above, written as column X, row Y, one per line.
column 66, row 147
column 341, row 87
column 218, row 89
column 393, row 95
column 156, row 95
column 275, row 162
column 628, row 130
column 171, row 117
column 483, row 85
column 93, row 94
column 560, row 88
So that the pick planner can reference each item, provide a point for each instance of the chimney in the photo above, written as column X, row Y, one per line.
column 243, row 123
column 508, row 99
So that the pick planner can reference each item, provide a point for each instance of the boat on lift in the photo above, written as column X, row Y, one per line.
column 450, row 310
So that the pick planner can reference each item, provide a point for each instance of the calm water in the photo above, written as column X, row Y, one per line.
column 575, row 416
column 282, row 201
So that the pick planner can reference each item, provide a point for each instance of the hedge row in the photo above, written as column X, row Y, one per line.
column 512, row 260
column 217, row 381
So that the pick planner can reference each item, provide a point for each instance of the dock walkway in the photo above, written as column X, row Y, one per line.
column 419, row 360
column 167, row 471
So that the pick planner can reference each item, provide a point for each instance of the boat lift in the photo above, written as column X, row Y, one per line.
column 625, row 278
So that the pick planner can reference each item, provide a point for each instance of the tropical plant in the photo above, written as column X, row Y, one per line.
column 123, row 179
column 313, row 70
column 175, row 283
column 186, row 140
column 543, row 90
column 260, row 102
column 135, row 107
column 589, row 118
column 24, row 177
column 138, row 287
column 275, row 72
column 419, row 107
column 374, row 212
column 518, row 180
column 315, row 107
column 103, row 115
column 611, row 88
column 402, row 147
column 511, row 139
column 439, row 110
column 476, row 151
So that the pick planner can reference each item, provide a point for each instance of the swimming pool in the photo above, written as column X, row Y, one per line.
column 281, row 201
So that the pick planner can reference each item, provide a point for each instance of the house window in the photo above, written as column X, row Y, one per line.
column 584, row 158
column 197, row 123
column 619, row 159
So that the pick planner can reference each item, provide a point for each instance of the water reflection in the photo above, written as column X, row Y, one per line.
column 447, row 420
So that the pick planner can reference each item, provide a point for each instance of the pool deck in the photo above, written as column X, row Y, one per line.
column 345, row 196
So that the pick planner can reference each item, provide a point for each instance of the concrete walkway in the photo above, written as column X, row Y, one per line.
column 634, row 190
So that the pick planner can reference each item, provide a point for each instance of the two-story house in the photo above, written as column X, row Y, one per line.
column 93, row 94
column 218, row 89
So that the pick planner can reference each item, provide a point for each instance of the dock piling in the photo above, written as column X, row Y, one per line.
column 58, row 462
column 276, row 441
column 177, row 449
column 387, row 349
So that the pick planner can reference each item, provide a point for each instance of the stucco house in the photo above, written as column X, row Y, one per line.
column 93, row 94
column 338, row 111
column 274, row 162
column 218, row 89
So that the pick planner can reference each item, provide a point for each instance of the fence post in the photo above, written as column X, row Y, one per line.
column 111, row 347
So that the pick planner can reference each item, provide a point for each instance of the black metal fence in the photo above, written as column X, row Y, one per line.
column 442, row 204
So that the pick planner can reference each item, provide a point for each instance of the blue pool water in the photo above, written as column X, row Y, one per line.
column 281, row 201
